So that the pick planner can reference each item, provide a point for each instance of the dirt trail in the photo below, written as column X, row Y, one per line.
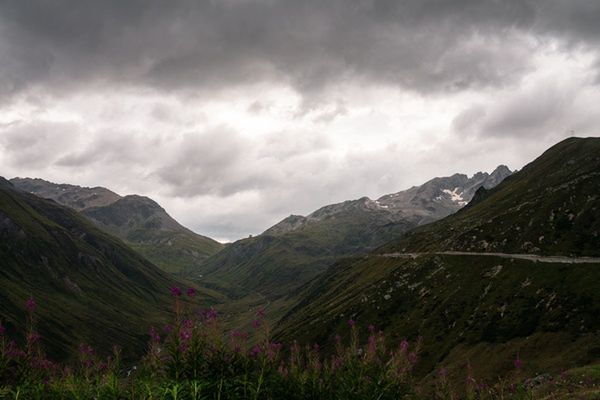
column 530, row 257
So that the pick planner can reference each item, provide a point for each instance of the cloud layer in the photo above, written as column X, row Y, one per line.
column 235, row 113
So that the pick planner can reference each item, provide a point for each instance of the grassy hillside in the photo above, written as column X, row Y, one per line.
column 299, row 248
column 482, row 309
column 138, row 220
column 89, row 286
column 274, row 265
column 479, row 309
column 147, row 227
column 551, row 206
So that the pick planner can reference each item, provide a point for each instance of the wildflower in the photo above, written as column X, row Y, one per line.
column 260, row 313
column 154, row 336
column 351, row 322
column 372, row 345
column 175, row 291
column 517, row 362
column 255, row 351
column 33, row 338
column 372, row 328
column 211, row 314
column 191, row 292
column 404, row 346
column 256, row 323
column 30, row 304
column 2, row 330
column 167, row 328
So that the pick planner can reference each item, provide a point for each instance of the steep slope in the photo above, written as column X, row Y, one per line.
column 147, row 227
column 89, row 286
column 300, row 248
column 481, row 308
column 550, row 207
column 138, row 220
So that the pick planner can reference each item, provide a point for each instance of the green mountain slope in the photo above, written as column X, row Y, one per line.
column 300, row 248
column 88, row 285
column 139, row 221
column 147, row 227
column 482, row 309
column 552, row 206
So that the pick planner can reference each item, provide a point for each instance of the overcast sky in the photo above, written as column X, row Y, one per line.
column 233, row 114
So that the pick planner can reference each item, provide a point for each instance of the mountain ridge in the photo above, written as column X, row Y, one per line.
column 138, row 220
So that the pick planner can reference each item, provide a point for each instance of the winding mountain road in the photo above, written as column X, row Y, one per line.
column 530, row 257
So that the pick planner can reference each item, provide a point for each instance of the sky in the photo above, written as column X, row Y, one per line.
column 234, row 114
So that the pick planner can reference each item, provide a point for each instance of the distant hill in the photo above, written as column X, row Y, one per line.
column 482, row 309
column 138, row 220
column 76, row 197
column 89, row 286
column 299, row 248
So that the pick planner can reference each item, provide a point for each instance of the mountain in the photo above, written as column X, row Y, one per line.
column 76, row 197
column 429, row 202
column 89, row 286
column 138, row 220
column 483, row 305
column 299, row 248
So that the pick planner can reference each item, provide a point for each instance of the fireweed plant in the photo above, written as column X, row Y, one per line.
column 193, row 358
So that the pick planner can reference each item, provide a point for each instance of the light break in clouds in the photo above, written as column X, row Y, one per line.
column 233, row 114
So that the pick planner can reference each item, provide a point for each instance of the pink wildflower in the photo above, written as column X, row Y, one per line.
column 175, row 291
column 255, row 351
column 191, row 292
column 2, row 330
column 351, row 322
column 30, row 305
column 404, row 346
column 154, row 336
column 517, row 362
column 260, row 313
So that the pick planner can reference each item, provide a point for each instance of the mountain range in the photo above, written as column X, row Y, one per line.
column 138, row 220
column 480, row 269
column 500, row 278
column 300, row 248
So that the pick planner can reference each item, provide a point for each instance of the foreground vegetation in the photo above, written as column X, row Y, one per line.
column 194, row 359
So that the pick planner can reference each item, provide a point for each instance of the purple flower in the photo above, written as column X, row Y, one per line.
column 256, row 323
column 175, row 291
column 210, row 314
column 2, row 330
column 30, row 305
column 404, row 346
column 167, row 329
column 191, row 292
column 154, row 336
column 517, row 362
column 255, row 351
column 372, row 328
column 260, row 313
column 351, row 322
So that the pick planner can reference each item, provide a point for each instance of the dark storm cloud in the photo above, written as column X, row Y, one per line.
column 421, row 45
